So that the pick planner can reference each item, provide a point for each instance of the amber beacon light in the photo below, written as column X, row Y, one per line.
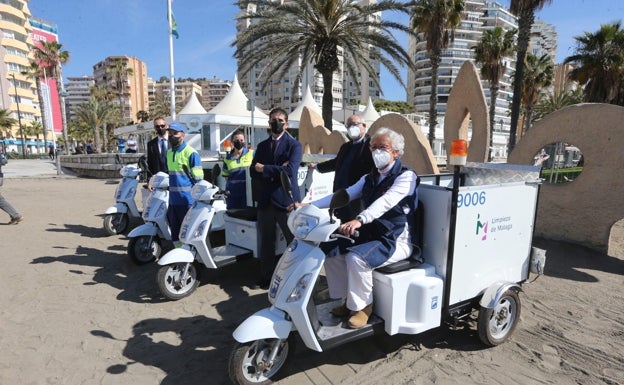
column 459, row 152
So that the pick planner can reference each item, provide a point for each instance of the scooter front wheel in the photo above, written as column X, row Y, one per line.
column 144, row 249
column 178, row 280
column 496, row 325
column 116, row 223
column 250, row 363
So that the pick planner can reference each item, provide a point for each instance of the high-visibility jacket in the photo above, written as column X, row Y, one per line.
column 180, row 182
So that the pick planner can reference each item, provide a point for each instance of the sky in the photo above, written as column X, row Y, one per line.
column 92, row 30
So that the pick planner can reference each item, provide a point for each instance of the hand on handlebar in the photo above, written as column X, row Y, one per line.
column 350, row 228
column 296, row 205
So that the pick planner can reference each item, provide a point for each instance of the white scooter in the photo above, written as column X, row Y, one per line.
column 179, row 275
column 117, row 217
column 147, row 241
column 463, row 272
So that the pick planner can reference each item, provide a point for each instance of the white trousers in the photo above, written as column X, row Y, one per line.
column 350, row 277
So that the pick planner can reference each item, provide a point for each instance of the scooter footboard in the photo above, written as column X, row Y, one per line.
column 118, row 208
column 266, row 323
column 176, row 256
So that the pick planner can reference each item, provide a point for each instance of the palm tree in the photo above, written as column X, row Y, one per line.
column 50, row 58
column 538, row 75
column 495, row 45
column 437, row 20
column 35, row 73
column 6, row 121
column 94, row 113
column 599, row 60
column 314, row 31
column 105, row 97
column 34, row 129
column 552, row 102
column 142, row 116
column 161, row 105
column 525, row 11
column 120, row 73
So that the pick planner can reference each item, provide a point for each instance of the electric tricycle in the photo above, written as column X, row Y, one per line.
column 475, row 232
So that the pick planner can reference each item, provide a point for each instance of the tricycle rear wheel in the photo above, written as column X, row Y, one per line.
column 496, row 325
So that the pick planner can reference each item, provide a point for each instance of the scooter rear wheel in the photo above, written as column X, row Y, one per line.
column 116, row 223
column 173, row 285
column 247, row 361
column 144, row 249
column 496, row 325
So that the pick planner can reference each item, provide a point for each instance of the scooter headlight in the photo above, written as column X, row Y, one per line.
column 303, row 224
column 300, row 288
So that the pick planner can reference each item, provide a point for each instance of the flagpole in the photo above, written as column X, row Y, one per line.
column 171, row 78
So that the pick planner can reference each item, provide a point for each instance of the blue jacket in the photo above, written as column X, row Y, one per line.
column 267, row 186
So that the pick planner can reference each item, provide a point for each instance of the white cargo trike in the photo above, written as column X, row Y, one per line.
column 475, row 252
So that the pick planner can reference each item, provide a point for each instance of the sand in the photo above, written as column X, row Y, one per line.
column 76, row 310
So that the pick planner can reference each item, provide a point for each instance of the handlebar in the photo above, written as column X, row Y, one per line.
column 338, row 235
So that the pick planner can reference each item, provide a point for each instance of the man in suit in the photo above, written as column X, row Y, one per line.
column 353, row 160
column 157, row 148
column 280, row 152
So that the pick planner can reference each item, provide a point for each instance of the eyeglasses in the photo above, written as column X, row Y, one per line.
column 356, row 123
column 160, row 125
column 381, row 147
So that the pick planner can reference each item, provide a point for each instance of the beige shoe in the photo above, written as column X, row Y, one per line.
column 360, row 318
column 341, row 311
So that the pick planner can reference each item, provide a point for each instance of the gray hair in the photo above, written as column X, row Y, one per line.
column 398, row 141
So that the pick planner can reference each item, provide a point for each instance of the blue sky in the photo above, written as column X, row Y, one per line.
column 92, row 30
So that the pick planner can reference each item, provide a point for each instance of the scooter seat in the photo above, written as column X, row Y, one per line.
column 409, row 263
column 246, row 214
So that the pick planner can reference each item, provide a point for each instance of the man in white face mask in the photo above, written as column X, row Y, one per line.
column 390, row 196
column 352, row 161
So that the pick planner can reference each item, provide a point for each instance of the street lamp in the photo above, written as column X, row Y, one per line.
column 19, row 118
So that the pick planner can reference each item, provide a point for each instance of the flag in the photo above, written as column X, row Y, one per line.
column 174, row 27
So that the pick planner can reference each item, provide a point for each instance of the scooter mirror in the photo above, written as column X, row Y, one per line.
column 286, row 185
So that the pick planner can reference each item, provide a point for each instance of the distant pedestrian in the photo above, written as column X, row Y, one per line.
column 51, row 153
column 90, row 149
column 6, row 206
column 131, row 145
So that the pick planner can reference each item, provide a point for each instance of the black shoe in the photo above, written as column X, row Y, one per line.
column 262, row 284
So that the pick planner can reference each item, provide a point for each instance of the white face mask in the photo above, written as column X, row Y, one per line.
column 354, row 132
column 381, row 158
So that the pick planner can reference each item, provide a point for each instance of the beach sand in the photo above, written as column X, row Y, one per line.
column 76, row 310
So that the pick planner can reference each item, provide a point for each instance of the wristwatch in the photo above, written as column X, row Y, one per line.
column 360, row 219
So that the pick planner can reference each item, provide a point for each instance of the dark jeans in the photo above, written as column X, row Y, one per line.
column 266, row 233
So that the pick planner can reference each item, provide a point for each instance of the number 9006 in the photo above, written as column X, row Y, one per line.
column 471, row 199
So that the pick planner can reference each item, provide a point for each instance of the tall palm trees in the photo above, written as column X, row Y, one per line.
column 50, row 56
column 525, row 10
column 437, row 20
column 538, row 74
column 599, row 60
column 313, row 31
column 495, row 45
column 6, row 121
column 94, row 113
column 36, row 73
column 120, row 72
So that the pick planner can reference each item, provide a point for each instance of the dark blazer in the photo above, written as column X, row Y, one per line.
column 154, row 162
column 361, row 163
column 267, row 186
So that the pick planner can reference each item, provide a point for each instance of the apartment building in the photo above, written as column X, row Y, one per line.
column 130, row 87
column 78, row 89
column 18, row 91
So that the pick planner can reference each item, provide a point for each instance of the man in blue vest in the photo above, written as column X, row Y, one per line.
column 185, row 169
column 280, row 152
column 389, row 195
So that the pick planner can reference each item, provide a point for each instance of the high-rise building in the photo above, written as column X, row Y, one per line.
column 45, row 32
column 213, row 91
column 132, row 97
column 17, row 90
column 267, row 91
column 78, row 90
column 183, row 91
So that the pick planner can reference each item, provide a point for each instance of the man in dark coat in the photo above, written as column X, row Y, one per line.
column 157, row 148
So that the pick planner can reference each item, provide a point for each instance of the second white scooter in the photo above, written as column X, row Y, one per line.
column 147, row 241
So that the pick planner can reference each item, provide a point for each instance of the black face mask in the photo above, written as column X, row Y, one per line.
column 174, row 142
column 238, row 144
column 277, row 127
column 161, row 131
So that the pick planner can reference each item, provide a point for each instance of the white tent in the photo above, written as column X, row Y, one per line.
column 370, row 114
column 192, row 114
column 308, row 101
